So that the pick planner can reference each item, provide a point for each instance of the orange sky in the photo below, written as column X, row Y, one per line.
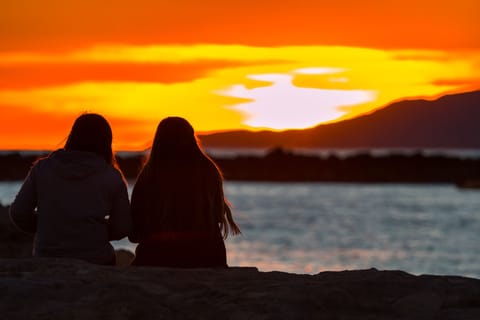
column 223, row 64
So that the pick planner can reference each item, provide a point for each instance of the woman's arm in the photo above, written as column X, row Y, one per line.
column 120, row 221
column 22, row 210
column 138, row 209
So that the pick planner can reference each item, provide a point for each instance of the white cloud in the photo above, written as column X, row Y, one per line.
column 283, row 105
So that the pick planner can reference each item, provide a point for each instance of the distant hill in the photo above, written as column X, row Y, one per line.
column 452, row 121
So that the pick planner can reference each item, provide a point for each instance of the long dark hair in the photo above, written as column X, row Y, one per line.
column 176, row 159
column 91, row 132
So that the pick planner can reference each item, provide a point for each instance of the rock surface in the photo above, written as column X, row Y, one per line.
column 42, row 288
column 13, row 243
column 69, row 289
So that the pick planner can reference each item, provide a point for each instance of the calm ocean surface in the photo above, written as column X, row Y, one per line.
column 313, row 227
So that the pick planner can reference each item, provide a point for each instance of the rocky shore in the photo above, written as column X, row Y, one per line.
column 68, row 289
column 34, row 288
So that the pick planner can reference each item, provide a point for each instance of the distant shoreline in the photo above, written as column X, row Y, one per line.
column 279, row 165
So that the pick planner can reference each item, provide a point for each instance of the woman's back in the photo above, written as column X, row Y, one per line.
column 75, row 190
column 179, row 198
column 174, row 220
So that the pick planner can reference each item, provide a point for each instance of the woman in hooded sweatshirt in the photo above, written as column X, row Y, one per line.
column 180, row 215
column 75, row 200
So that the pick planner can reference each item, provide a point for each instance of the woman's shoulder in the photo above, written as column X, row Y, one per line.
column 114, row 174
column 43, row 161
column 211, row 171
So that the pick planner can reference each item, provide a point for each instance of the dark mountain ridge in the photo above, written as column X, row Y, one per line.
column 452, row 121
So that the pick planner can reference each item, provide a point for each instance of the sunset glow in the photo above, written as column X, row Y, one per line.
column 229, row 77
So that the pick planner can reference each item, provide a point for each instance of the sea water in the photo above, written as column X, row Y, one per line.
column 314, row 227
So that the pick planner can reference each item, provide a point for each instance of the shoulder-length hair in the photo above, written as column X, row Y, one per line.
column 91, row 132
column 176, row 158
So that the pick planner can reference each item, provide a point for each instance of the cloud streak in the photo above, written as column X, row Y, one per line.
column 29, row 76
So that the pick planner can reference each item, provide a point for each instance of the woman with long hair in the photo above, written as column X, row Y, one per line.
column 75, row 200
column 180, row 215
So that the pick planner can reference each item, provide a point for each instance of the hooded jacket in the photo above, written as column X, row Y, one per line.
column 75, row 203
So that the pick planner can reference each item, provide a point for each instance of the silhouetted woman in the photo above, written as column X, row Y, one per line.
column 180, row 216
column 75, row 200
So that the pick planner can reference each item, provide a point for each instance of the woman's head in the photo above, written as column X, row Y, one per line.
column 91, row 132
column 174, row 139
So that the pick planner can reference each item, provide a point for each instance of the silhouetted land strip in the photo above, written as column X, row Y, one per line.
column 284, row 166
column 416, row 168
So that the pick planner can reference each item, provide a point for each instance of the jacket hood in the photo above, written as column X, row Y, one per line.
column 72, row 164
